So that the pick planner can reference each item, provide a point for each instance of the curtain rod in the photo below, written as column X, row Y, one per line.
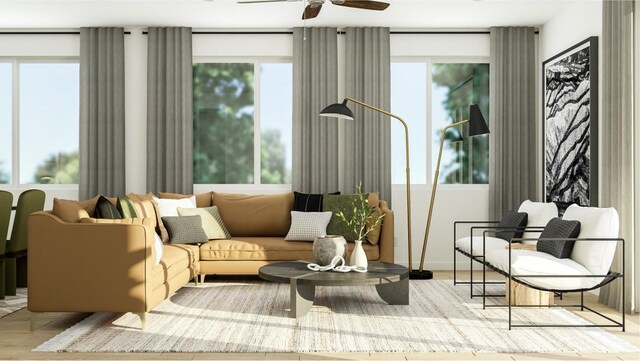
column 339, row 32
column 46, row 33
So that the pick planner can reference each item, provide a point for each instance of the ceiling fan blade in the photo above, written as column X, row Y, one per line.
column 363, row 4
column 311, row 11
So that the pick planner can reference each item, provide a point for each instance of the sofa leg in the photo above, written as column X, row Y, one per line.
column 195, row 280
column 202, row 278
column 33, row 318
column 143, row 320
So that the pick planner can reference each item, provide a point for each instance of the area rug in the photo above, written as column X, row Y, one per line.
column 253, row 317
column 11, row 304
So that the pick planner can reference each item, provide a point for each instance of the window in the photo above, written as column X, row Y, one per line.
column 47, row 113
column 455, row 86
column 242, row 123
column 429, row 95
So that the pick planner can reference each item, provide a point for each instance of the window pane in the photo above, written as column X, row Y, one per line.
column 5, row 122
column 223, row 123
column 408, row 101
column 49, row 123
column 455, row 87
column 276, row 104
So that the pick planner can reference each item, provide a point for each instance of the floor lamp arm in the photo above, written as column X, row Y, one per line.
column 433, row 193
column 408, row 170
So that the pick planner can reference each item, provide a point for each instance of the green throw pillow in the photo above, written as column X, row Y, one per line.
column 344, row 203
column 126, row 208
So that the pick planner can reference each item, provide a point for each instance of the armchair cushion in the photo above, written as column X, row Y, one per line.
column 492, row 244
column 538, row 215
column 512, row 219
column 526, row 263
column 558, row 228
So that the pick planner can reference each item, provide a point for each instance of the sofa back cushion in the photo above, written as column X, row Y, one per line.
column 538, row 215
column 247, row 215
column 595, row 222
column 73, row 211
column 202, row 200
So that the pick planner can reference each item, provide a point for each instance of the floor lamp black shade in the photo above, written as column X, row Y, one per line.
column 337, row 110
column 477, row 124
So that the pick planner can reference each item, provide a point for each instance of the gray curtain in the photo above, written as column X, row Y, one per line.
column 102, row 143
column 169, row 110
column 367, row 139
column 513, row 174
column 315, row 85
column 619, row 179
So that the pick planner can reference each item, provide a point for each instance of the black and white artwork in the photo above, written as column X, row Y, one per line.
column 571, row 126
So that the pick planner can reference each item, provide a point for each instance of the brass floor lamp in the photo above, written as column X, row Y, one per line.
column 477, row 126
column 341, row 111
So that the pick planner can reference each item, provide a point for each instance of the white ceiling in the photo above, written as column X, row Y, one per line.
column 227, row 14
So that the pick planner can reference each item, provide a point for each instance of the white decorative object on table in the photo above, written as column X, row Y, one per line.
column 358, row 257
column 338, row 264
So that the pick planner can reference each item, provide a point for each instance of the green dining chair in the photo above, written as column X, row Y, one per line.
column 30, row 201
column 6, row 201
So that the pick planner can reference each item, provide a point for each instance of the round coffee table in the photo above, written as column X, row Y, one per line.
column 391, row 281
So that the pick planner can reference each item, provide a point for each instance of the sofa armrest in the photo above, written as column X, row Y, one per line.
column 387, row 235
column 78, row 267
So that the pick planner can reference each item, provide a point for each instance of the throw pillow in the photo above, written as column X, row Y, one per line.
column 211, row 221
column 515, row 220
column 107, row 210
column 169, row 208
column 304, row 202
column 336, row 204
column 185, row 230
column 145, row 207
column 374, row 236
column 558, row 228
column 73, row 211
column 202, row 199
column 126, row 207
column 158, row 247
column 307, row 226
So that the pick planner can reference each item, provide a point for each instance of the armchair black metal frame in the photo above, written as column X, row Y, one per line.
column 480, row 259
column 608, row 278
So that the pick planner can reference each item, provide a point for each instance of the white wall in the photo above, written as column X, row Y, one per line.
column 452, row 202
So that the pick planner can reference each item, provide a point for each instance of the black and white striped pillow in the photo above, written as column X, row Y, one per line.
column 307, row 226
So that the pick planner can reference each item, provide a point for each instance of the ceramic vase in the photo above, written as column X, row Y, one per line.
column 358, row 257
column 326, row 248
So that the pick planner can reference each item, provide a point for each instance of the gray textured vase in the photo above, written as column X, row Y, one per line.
column 326, row 248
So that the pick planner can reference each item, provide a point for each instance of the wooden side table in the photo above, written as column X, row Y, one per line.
column 522, row 295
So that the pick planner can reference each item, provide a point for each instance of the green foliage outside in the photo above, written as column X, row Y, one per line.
column 62, row 168
column 223, row 110
column 4, row 176
column 468, row 84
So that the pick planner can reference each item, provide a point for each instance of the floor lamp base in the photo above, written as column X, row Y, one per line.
column 420, row 275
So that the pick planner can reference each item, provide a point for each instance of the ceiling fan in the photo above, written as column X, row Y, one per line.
column 313, row 9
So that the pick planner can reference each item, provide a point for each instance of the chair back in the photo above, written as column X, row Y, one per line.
column 30, row 201
column 596, row 256
column 538, row 215
column 6, row 201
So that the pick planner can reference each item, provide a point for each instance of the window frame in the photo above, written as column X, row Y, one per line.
column 431, row 150
column 257, row 184
column 15, row 119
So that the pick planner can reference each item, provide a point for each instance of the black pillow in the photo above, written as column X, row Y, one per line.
column 558, row 228
column 185, row 230
column 107, row 210
column 512, row 219
column 304, row 202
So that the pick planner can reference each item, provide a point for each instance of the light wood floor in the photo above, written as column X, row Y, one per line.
column 16, row 342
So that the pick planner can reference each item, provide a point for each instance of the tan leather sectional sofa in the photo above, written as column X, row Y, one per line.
column 110, row 266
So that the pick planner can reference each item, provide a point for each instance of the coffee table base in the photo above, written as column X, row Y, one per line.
column 302, row 295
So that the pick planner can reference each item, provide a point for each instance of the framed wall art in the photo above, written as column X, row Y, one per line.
column 570, row 126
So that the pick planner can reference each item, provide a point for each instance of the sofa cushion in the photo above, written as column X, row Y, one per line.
column 175, row 259
column 538, row 215
column 169, row 208
column 304, row 202
column 211, row 221
column 526, row 262
column 491, row 244
column 202, row 199
column 266, row 249
column 185, row 230
column 247, row 215
column 558, row 228
column 126, row 207
column 146, row 209
column 594, row 223
column 374, row 236
column 73, row 211
column 307, row 226
column 512, row 219
column 106, row 210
